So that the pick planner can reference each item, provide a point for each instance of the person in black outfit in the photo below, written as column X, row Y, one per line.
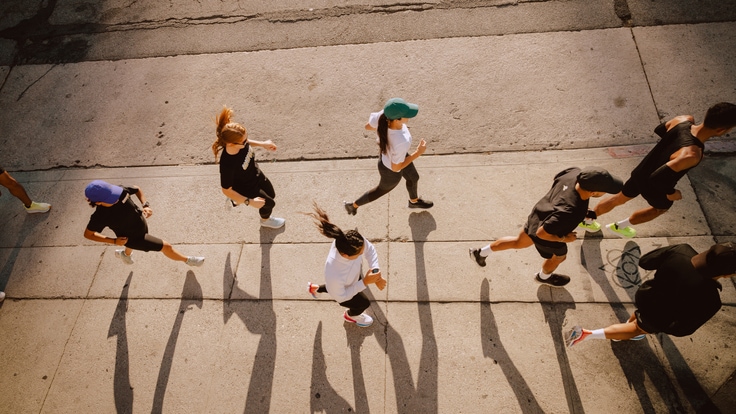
column 114, row 208
column 552, row 221
column 240, row 178
column 682, row 296
column 679, row 150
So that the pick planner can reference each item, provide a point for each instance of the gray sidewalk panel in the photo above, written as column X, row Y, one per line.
column 34, row 335
column 692, row 55
column 52, row 272
column 160, row 111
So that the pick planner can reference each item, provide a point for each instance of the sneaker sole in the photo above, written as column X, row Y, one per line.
column 273, row 227
column 623, row 236
column 309, row 290
column 362, row 325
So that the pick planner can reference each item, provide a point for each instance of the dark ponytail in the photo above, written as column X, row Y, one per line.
column 383, row 133
column 348, row 243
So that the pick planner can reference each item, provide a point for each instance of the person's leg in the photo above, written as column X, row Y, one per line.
column 646, row 214
column 619, row 332
column 609, row 203
column 267, row 192
column 522, row 241
column 411, row 176
column 169, row 251
column 357, row 304
column 550, row 265
column 389, row 181
column 15, row 188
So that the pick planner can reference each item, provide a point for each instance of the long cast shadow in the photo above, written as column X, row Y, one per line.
column 324, row 398
column 122, row 389
column 355, row 338
column 637, row 359
column 190, row 295
column 554, row 315
column 421, row 398
column 493, row 348
column 259, row 318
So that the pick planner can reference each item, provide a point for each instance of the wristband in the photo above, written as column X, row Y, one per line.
column 146, row 204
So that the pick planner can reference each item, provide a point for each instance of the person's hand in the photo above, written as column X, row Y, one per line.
column 147, row 212
column 257, row 202
column 269, row 145
column 120, row 241
column 422, row 147
column 677, row 195
column 381, row 282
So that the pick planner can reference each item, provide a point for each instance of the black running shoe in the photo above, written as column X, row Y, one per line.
column 421, row 204
column 350, row 208
column 475, row 255
column 555, row 280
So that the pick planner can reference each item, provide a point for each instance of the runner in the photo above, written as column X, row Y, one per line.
column 394, row 141
column 552, row 221
column 240, row 178
column 682, row 296
column 114, row 208
column 679, row 150
column 344, row 280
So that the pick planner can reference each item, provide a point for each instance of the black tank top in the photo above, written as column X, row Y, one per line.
column 674, row 139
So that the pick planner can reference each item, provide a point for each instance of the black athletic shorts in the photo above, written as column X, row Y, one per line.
column 147, row 243
column 656, row 198
column 644, row 325
column 547, row 249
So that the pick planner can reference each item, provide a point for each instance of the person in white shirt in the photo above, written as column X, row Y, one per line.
column 394, row 142
column 344, row 280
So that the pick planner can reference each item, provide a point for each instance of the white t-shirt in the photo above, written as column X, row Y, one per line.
column 399, row 142
column 342, row 276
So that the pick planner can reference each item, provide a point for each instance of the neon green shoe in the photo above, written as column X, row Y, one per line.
column 627, row 232
column 593, row 227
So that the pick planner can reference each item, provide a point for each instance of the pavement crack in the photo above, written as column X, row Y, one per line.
column 33, row 83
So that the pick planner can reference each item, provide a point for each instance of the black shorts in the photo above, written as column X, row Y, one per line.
column 547, row 249
column 644, row 325
column 2, row 170
column 656, row 198
column 147, row 243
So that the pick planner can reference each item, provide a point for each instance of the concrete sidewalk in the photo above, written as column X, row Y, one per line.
column 82, row 332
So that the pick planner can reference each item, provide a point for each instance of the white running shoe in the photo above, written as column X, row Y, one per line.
column 273, row 222
column 363, row 320
column 38, row 207
column 195, row 261
column 120, row 253
column 2, row 296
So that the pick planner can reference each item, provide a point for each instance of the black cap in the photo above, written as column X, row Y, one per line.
column 598, row 179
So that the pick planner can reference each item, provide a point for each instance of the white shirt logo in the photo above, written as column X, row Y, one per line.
column 564, row 188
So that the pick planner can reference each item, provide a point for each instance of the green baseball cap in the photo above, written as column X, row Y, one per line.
column 396, row 108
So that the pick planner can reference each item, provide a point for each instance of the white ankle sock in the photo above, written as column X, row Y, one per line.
column 485, row 251
column 623, row 223
column 597, row 334
column 544, row 276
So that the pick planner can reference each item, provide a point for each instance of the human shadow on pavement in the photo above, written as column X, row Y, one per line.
column 122, row 389
column 493, row 348
column 259, row 318
column 554, row 315
column 324, row 398
column 191, row 295
column 637, row 359
column 355, row 337
column 31, row 221
column 422, row 397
